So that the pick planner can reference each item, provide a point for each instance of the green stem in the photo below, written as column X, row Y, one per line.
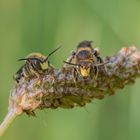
column 11, row 115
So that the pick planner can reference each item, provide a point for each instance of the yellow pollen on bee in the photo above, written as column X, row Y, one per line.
column 85, row 72
column 44, row 65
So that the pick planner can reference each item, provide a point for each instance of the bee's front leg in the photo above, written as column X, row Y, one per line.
column 75, row 75
column 99, row 59
column 103, row 66
column 96, row 53
column 68, row 66
column 39, row 78
column 95, row 72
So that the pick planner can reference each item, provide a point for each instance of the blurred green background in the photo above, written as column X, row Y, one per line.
column 40, row 26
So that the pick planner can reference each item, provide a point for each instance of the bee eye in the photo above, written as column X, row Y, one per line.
column 35, row 62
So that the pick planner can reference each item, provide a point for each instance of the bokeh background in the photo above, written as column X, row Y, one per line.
column 40, row 26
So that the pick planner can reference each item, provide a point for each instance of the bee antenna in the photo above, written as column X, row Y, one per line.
column 32, row 58
column 101, row 64
column 52, row 53
column 22, row 59
column 70, row 63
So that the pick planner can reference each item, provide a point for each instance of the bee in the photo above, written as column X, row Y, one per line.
column 36, row 64
column 85, row 61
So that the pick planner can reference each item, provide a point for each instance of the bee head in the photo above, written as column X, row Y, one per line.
column 38, row 60
column 84, row 68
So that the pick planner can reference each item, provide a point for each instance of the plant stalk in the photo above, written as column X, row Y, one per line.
column 11, row 115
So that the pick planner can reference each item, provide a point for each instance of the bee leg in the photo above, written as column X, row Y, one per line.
column 75, row 75
column 37, row 75
column 99, row 59
column 66, row 66
column 95, row 72
column 39, row 78
column 64, row 73
column 69, row 60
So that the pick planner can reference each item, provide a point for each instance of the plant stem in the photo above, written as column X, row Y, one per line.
column 11, row 115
